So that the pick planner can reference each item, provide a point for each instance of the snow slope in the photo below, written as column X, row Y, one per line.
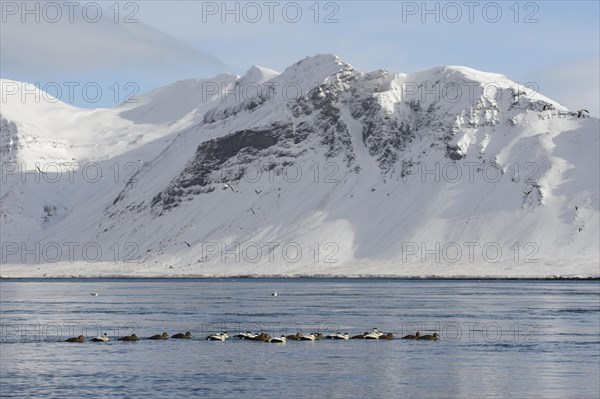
column 319, row 170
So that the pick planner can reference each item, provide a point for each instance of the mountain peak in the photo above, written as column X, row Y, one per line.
column 321, row 61
column 259, row 74
column 314, row 70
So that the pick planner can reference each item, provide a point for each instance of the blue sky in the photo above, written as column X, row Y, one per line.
column 555, row 44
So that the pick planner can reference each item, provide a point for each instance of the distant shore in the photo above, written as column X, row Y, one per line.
column 311, row 277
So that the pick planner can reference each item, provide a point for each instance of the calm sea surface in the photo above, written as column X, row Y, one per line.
column 499, row 339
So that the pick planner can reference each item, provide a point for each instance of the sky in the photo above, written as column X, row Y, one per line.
column 97, row 54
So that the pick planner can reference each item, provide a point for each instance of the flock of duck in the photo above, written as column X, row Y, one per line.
column 374, row 334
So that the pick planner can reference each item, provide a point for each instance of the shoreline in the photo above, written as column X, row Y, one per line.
column 311, row 277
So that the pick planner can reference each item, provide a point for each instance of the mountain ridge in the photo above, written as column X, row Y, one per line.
column 376, row 190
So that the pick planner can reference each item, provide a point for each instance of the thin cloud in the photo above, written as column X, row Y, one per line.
column 47, row 49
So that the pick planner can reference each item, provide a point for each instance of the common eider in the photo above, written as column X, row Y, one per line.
column 181, row 335
column 81, row 338
column 160, row 336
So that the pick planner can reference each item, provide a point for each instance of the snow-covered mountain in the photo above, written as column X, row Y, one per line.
column 319, row 170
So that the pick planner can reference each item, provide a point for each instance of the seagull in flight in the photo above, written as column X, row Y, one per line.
column 258, row 192
column 225, row 185
column 254, row 213
column 188, row 244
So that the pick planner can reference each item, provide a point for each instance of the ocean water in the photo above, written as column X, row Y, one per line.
column 499, row 339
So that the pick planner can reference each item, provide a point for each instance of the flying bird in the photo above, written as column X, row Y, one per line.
column 258, row 192
column 39, row 170
column 188, row 244
column 225, row 185
column 527, row 192
column 254, row 213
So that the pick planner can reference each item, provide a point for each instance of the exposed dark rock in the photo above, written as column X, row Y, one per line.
column 454, row 152
column 213, row 158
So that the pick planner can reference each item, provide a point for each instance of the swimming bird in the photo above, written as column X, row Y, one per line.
column 93, row 293
column 160, row 336
column 101, row 338
column 309, row 337
column 246, row 335
column 359, row 336
column 81, row 338
column 294, row 336
column 262, row 337
column 433, row 337
column 387, row 336
column 371, row 336
column 374, row 334
column 222, row 336
column 338, row 336
column 181, row 335
column 129, row 338
column 274, row 293
column 416, row 335
column 280, row 340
